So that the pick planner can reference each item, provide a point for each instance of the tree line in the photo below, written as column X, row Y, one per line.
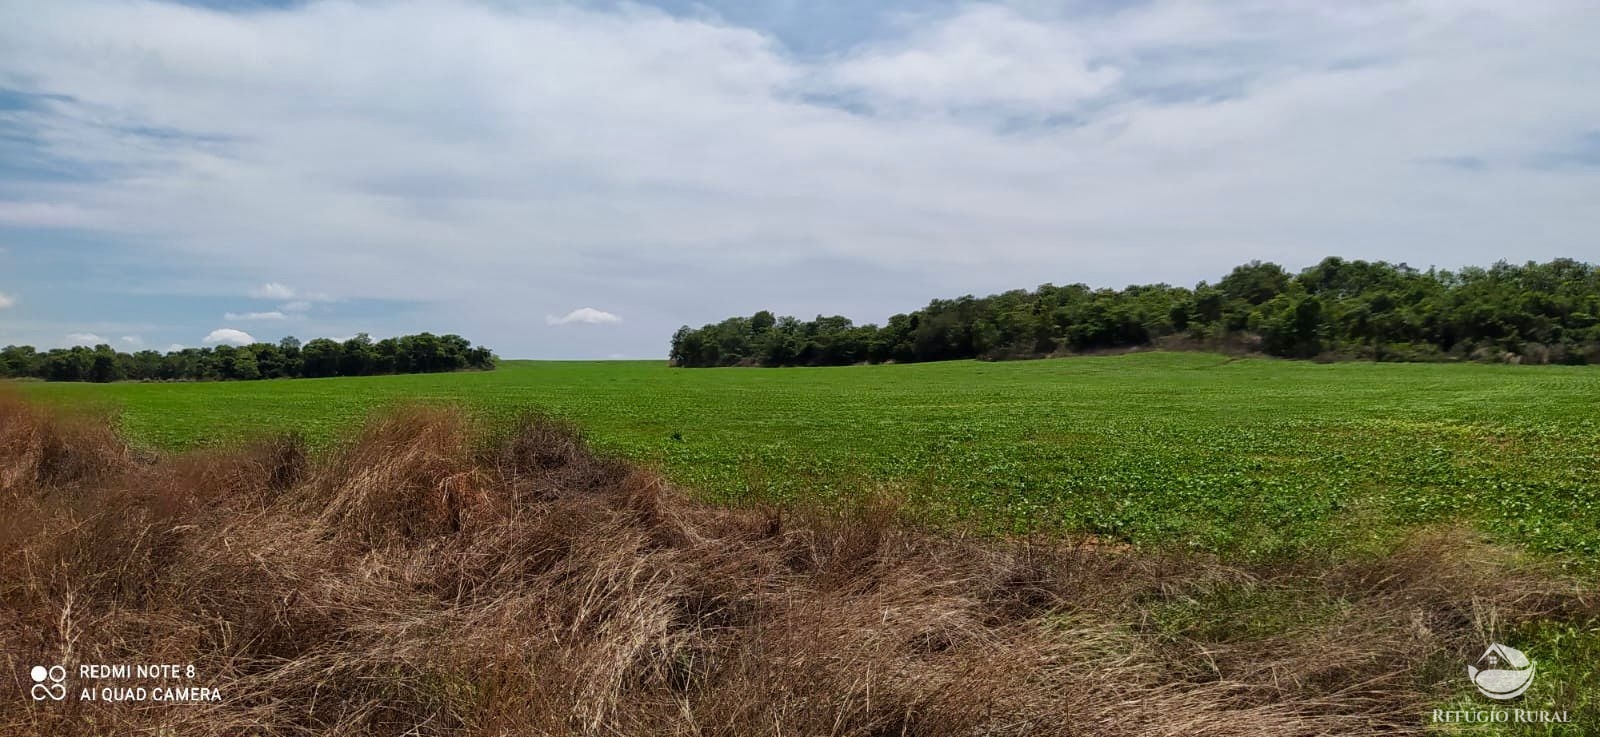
column 286, row 359
column 1337, row 309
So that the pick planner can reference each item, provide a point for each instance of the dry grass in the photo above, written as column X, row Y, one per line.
column 430, row 579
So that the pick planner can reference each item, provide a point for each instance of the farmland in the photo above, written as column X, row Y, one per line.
column 1253, row 458
column 1299, row 534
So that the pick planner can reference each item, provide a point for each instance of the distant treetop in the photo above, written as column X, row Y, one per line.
column 1338, row 309
column 358, row 356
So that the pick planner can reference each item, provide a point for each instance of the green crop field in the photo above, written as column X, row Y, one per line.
column 1251, row 457
column 1260, row 461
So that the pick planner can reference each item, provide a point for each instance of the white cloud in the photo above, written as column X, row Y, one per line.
column 7, row 300
column 175, row 347
column 583, row 315
column 973, row 150
column 274, row 315
column 85, row 339
column 986, row 56
column 272, row 290
column 132, row 340
column 229, row 335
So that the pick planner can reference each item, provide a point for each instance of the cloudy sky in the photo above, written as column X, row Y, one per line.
column 576, row 180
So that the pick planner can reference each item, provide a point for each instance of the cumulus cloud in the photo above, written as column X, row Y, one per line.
column 132, row 340
column 272, row 290
column 7, row 300
column 584, row 316
column 85, row 339
column 273, row 315
column 175, row 347
column 230, row 336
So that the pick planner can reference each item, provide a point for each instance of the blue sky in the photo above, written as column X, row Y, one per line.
column 577, row 180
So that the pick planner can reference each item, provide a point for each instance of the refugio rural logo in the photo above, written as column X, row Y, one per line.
column 1502, row 673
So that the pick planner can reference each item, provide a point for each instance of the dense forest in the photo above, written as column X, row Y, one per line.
column 358, row 356
column 1338, row 309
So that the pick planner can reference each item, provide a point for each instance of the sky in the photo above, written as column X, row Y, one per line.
column 577, row 180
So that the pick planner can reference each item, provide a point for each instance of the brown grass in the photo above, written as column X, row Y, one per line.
column 431, row 579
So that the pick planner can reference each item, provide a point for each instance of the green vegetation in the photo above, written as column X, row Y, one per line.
column 1534, row 313
column 287, row 359
column 1253, row 457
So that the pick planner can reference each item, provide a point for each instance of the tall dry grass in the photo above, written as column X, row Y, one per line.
column 431, row 579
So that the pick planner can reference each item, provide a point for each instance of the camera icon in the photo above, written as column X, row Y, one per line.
column 48, row 683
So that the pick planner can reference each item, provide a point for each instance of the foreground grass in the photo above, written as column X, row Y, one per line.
column 430, row 576
column 1256, row 458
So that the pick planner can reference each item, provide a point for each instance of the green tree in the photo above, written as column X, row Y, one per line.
column 320, row 358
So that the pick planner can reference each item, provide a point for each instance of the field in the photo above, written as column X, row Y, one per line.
column 1168, row 543
column 1253, row 458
